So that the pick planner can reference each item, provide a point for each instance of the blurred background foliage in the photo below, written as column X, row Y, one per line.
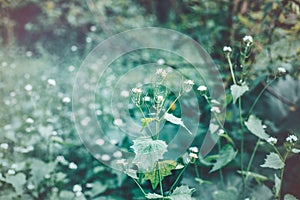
column 43, row 44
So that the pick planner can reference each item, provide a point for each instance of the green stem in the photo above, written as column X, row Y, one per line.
column 196, row 170
column 142, row 112
column 160, row 181
column 242, row 146
column 282, row 173
column 253, row 154
column 220, row 171
column 178, row 177
column 139, row 187
column 231, row 69
column 169, row 108
column 259, row 95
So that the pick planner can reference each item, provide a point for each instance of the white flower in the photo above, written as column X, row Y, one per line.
column 160, row 98
column 161, row 72
column 77, row 188
column 89, row 185
column 227, row 49
column 281, row 70
column 248, row 40
column 11, row 172
column 4, row 146
column 189, row 82
column 124, row 93
column 28, row 87
column 105, row 157
column 118, row 122
column 72, row 165
column 51, row 82
column 146, row 98
column 221, row 132
column 161, row 61
column 202, row 88
column 117, row 154
column 47, row 176
column 88, row 40
column 122, row 162
column 74, row 48
column 215, row 109
column 28, row 53
column 291, row 138
column 66, row 100
column 272, row 140
column 193, row 155
column 136, row 90
column 194, row 149
column 93, row 28
column 29, row 120
column 30, row 186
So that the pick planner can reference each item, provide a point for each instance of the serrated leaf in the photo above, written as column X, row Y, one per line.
column 273, row 161
column 289, row 197
column 161, row 169
column 237, row 91
column 153, row 196
column 17, row 181
column 182, row 193
column 294, row 150
column 226, row 155
column 39, row 169
column 255, row 127
column 176, row 120
column 147, row 152
column 277, row 185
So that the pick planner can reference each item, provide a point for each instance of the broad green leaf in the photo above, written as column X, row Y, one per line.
column 226, row 155
column 182, row 192
column 255, row 126
column 17, row 181
column 237, row 91
column 147, row 152
column 228, row 194
column 161, row 169
column 39, row 169
column 132, row 173
column 289, row 197
column 256, row 176
column 277, row 185
column 175, row 120
column 294, row 150
column 153, row 196
column 273, row 161
column 97, row 189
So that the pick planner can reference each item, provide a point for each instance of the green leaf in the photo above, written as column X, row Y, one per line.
column 273, row 161
column 66, row 195
column 237, row 91
column 153, row 196
column 147, row 152
column 255, row 126
column 226, row 155
column 294, row 150
column 161, row 169
column 17, row 181
column 277, row 185
column 182, row 192
column 132, row 173
column 175, row 120
column 289, row 197
column 39, row 169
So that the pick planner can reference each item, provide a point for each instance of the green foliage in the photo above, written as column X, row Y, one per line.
column 273, row 161
column 237, row 91
column 182, row 192
column 289, row 197
column 17, row 181
column 255, row 126
column 148, row 152
column 225, row 156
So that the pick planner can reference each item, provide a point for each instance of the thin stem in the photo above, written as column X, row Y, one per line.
column 178, row 177
column 259, row 95
column 231, row 69
column 157, row 125
column 169, row 108
column 220, row 171
column 282, row 173
column 196, row 170
column 142, row 112
column 242, row 146
column 253, row 154
column 160, row 181
column 142, row 190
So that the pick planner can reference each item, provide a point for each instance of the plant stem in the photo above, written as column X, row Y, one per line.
column 179, row 175
column 282, row 173
column 231, row 69
column 160, row 181
column 253, row 154
column 220, row 170
column 196, row 170
column 142, row 190
column 169, row 108
column 259, row 95
column 242, row 147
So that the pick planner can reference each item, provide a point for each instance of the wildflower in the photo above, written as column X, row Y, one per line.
column 221, row 132
column 51, row 82
column 202, row 88
column 136, row 90
column 117, row 154
column 77, row 189
column 47, row 176
column 292, row 138
column 124, row 93
column 93, row 28
column 4, row 146
column 28, row 54
column 11, row 172
column 105, row 157
column 248, row 40
column 193, row 155
column 188, row 85
column 28, row 87
column 159, row 98
column 118, row 122
column 161, row 72
column 89, row 185
column 30, row 186
column 122, row 162
column 227, row 49
column 281, row 71
column 161, row 61
column 29, row 120
column 194, row 149
column 62, row 160
column 88, row 40
column 146, row 98
column 74, row 48
column 215, row 109
column 66, row 100
column 72, row 165
column 272, row 140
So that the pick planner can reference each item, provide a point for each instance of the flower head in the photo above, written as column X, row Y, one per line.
column 292, row 138
column 281, row 71
column 272, row 140
column 227, row 49
column 161, row 72
column 194, row 149
column 188, row 85
column 136, row 90
column 248, row 40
